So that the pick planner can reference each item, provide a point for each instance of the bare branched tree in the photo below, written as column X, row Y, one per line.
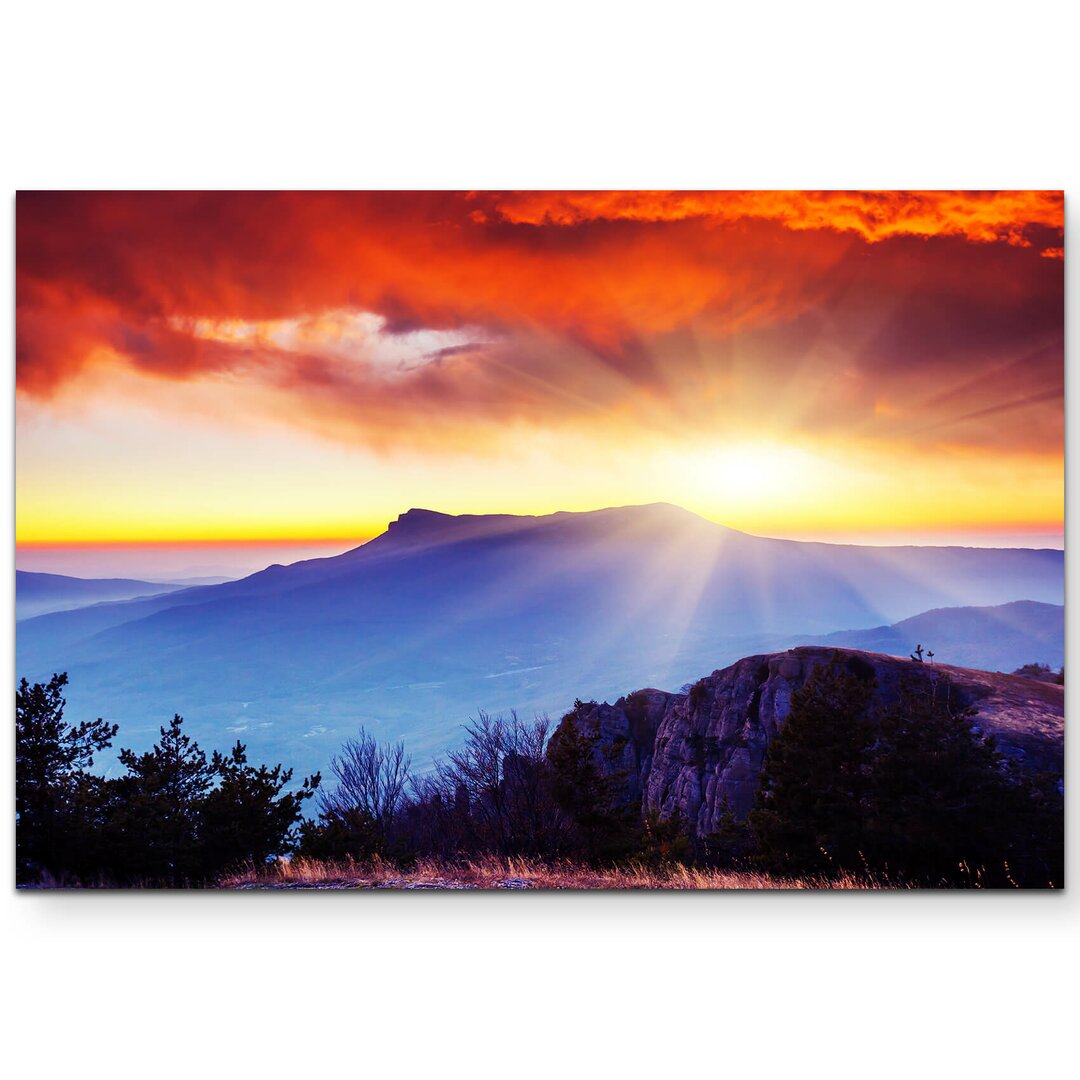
column 494, row 792
column 371, row 780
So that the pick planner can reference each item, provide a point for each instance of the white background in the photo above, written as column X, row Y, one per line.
column 560, row 95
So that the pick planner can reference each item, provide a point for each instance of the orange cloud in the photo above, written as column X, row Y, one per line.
column 981, row 216
column 124, row 271
column 403, row 318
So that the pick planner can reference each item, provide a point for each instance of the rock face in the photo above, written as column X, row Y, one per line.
column 627, row 735
column 700, row 753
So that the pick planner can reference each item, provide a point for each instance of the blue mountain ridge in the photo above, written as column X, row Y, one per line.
column 414, row 631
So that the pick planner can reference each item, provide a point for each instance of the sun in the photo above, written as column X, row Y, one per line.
column 752, row 475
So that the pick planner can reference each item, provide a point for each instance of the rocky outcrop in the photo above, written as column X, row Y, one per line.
column 626, row 734
column 700, row 753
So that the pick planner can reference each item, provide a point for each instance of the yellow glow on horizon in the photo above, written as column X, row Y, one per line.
column 765, row 490
column 97, row 472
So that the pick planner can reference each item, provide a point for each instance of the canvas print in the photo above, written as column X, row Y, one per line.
column 540, row 540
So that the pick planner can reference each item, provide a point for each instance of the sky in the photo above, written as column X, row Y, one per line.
column 210, row 381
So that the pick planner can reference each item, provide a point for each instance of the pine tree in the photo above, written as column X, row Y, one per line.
column 943, row 805
column 911, row 792
column 808, row 814
column 155, row 826
column 604, row 828
column 53, row 790
column 246, row 818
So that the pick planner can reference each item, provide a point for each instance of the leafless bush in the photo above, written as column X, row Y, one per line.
column 492, row 794
column 371, row 781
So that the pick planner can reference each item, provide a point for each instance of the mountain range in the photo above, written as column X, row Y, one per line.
column 40, row 594
column 414, row 631
column 1000, row 638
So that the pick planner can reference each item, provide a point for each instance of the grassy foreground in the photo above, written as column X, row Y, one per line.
column 493, row 872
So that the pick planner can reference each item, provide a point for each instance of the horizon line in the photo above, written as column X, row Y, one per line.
column 1036, row 538
column 807, row 534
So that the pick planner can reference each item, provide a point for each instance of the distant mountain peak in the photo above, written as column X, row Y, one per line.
column 420, row 527
column 422, row 518
column 418, row 518
column 419, row 513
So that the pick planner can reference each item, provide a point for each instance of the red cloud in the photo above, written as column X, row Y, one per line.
column 585, row 305
column 982, row 216
column 114, row 269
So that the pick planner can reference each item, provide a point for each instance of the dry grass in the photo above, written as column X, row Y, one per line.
column 492, row 872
